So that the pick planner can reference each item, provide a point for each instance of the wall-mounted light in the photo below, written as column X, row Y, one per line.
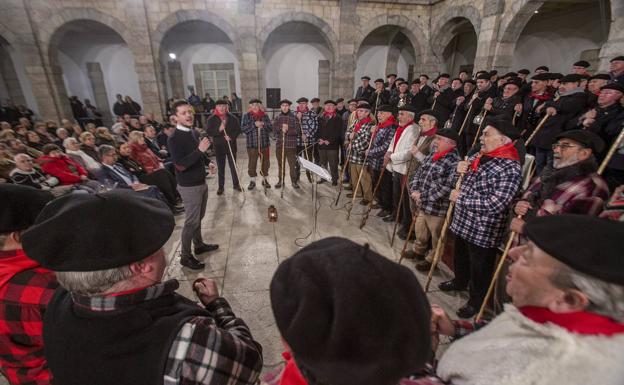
column 535, row 11
column 172, row 56
column 272, row 214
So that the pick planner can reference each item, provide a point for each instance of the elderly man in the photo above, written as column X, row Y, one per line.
column 430, row 189
column 329, row 139
column 475, row 105
column 571, row 185
column 365, row 90
column 256, row 125
column 25, row 289
column 507, row 104
column 224, row 128
column 386, row 127
column 491, row 179
column 286, row 129
column 114, row 313
column 359, row 135
column 317, row 297
column 616, row 70
column 564, row 325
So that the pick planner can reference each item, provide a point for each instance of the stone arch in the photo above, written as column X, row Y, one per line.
column 444, row 28
column 8, row 35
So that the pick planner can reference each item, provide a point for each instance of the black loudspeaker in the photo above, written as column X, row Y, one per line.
column 273, row 97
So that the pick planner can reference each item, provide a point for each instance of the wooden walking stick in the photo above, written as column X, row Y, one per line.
column 479, row 129
column 539, row 127
column 461, row 129
column 441, row 238
column 411, row 228
column 370, row 204
column 233, row 160
column 344, row 167
column 283, row 170
column 359, row 179
column 398, row 213
column 612, row 150
column 261, row 162
column 497, row 272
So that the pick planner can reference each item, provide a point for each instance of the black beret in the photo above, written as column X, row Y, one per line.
column 542, row 68
column 365, row 78
column 352, row 101
column 504, row 126
column 399, row 80
column 380, row 80
column 391, row 75
column 482, row 72
column 483, row 76
column 621, row 58
column 524, row 71
column 339, row 100
column 570, row 78
column 541, row 76
column 510, row 74
column 408, row 108
column 515, row 81
column 20, row 205
column 493, row 72
column 220, row 101
column 448, row 133
column 555, row 76
column 433, row 113
column 90, row 232
column 302, row 100
column 285, row 101
column 601, row 77
column 315, row 100
column 255, row 100
column 588, row 244
column 581, row 63
column 445, row 75
column 585, row 76
column 613, row 86
column 425, row 75
column 347, row 313
column 364, row 105
column 584, row 137
column 471, row 81
column 329, row 101
column 415, row 81
column 385, row 108
column 361, row 100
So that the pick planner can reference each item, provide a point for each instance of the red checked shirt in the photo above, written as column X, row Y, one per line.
column 23, row 300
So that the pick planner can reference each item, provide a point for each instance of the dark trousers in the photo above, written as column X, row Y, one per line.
column 223, row 153
column 329, row 159
column 343, row 154
column 384, row 192
column 165, row 182
column 474, row 266
column 405, row 215
column 290, row 157
column 543, row 158
column 614, row 178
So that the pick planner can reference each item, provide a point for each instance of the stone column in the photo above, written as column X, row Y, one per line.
column 96, row 78
column 344, row 66
column 176, row 80
column 323, row 80
column 488, row 34
column 61, row 98
column 615, row 43
column 11, row 80
column 248, row 52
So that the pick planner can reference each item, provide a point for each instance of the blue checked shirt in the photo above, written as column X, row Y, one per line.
column 248, row 126
column 359, row 144
column 435, row 180
column 382, row 140
column 309, row 128
column 481, row 209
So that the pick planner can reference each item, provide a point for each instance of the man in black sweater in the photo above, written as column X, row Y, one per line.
column 223, row 127
column 187, row 153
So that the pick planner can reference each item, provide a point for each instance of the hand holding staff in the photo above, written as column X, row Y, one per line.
column 612, row 150
column 461, row 129
column 539, row 127
column 283, row 175
column 479, row 129
column 227, row 140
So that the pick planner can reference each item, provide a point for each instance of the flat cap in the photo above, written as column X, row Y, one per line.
column 364, row 105
column 542, row 68
column 89, row 232
column 302, row 99
column 323, row 299
column 448, row 133
column 570, row 78
column 524, row 71
column 510, row 74
column 433, row 113
column 408, row 108
column 395, row 75
column 444, row 75
column 385, row 108
column 379, row 80
column 581, row 63
column 365, row 78
column 613, row 86
column 601, row 77
column 503, row 125
column 315, row 100
column 516, row 81
column 285, row 101
column 619, row 58
column 255, row 100
column 586, row 138
column 329, row 101
column 585, row 243
column 20, row 205
column 543, row 76
column 220, row 102
column 483, row 76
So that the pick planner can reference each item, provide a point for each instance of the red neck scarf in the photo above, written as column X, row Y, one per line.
column 438, row 155
column 362, row 122
column 329, row 115
column 389, row 122
column 399, row 132
column 507, row 151
column 291, row 374
column 216, row 112
column 581, row 322
column 431, row 131
column 302, row 110
column 542, row 97
column 257, row 115
column 13, row 262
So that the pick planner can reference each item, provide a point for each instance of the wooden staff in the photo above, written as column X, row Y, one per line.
column 261, row 162
column 344, row 168
column 370, row 204
column 283, row 176
column 234, row 159
column 403, row 183
column 411, row 228
column 539, row 127
column 359, row 179
column 461, row 129
column 515, row 116
column 441, row 239
column 497, row 272
column 479, row 130
column 612, row 150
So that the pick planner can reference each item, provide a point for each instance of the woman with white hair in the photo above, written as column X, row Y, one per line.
column 72, row 148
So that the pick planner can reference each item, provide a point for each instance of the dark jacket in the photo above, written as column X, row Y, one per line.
column 331, row 130
column 568, row 107
column 232, row 127
column 364, row 92
column 477, row 107
column 608, row 124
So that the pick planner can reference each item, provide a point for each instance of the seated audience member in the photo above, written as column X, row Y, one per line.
column 114, row 313
column 26, row 174
column 91, row 127
column 7, row 134
column 565, row 322
column 103, row 136
column 18, row 147
column 150, row 136
column 6, row 163
column 42, row 130
column 65, row 169
column 61, row 135
column 317, row 297
column 34, row 140
column 25, row 289
column 87, row 144
column 120, row 132
column 72, row 149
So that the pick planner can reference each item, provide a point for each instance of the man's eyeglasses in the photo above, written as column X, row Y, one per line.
column 563, row 146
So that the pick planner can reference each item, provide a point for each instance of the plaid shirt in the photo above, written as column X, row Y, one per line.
column 217, row 350
column 359, row 144
column 248, row 126
column 481, row 208
column 23, row 300
column 435, row 180
column 382, row 140
column 293, row 134
column 309, row 127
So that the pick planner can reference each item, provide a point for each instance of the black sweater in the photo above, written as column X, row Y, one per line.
column 330, row 130
column 188, row 160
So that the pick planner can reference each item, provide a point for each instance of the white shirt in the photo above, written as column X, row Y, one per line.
column 183, row 128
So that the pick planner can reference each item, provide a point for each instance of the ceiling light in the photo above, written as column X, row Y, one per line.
column 172, row 56
column 536, row 12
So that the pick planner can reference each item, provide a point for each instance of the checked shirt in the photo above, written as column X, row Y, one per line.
column 435, row 180
column 359, row 144
column 248, row 126
column 294, row 130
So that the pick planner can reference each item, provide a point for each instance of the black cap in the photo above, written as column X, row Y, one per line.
column 601, row 77
column 108, row 230
column 339, row 100
column 302, row 99
column 315, row 100
column 613, row 86
column 364, row 105
column 220, row 102
column 620, row 58
column 585, row 76
column 399, row 80
column 320, row 297
column 415, row 81
column 509, row 75
column 255, row 100
column 408, row 108
column 524, row 71
column 570, row 78
column 542, row 68
column 587, row 244
column 379, row 80
column 385, row 108
column 483, row 76
column 541, row 76
column 365, row 78
column 493, row 72
column 433, row 113
column 387, row 76
column 444, row 75
column 581, row 63
column 516, row 81
column 555, row 76
column 285, row 101
column 425, row 75
column 504, row 125
column 586, row 138
column 471, row 81
column 448, row 133
column 329, row 101
column 20, row 205
column 352, row 101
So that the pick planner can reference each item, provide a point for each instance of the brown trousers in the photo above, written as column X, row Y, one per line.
column 253, row 161
column 290, row 156
column 365, row 183
column 427, row 227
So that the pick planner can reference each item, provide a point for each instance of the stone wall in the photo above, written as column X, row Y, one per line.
column 35, row 27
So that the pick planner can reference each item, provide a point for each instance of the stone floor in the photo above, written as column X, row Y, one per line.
column 250, row 247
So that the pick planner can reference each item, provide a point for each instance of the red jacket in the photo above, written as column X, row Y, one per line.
column 142, row 154
column 67, row 170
